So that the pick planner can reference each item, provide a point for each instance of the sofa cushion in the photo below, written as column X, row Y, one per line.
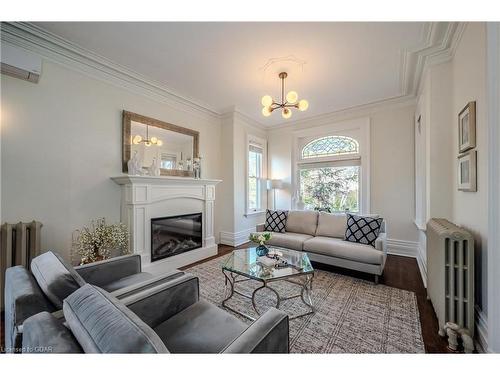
column 362, row 229
column 55, row 277
column 275, row 221
column 127, row 281
column 44, row 333
column 339, row 248
column 302, row 222
column 102, row 324
column 289, row 240
column 200, row 328
column 331, row 225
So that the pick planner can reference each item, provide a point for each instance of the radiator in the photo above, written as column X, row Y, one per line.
column 19, row 243
column 450, row 273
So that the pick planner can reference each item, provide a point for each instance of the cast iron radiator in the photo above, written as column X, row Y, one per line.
column 19, row 243
column 450, row 273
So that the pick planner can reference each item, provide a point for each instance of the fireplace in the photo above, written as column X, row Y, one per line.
column 175, row 235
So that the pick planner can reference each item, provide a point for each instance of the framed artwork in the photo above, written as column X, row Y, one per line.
column 467, row 127
column 467, row 178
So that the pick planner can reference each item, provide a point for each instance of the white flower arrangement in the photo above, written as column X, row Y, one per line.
column 260, row 238
column 96, row 241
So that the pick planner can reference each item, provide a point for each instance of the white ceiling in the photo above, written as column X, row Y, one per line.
column 219, row 64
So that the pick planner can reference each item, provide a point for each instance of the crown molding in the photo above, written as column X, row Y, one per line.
column 54, row 48
column 348, row 113
column 234, row 113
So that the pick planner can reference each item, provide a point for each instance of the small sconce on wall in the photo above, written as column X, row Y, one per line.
column 274, row 185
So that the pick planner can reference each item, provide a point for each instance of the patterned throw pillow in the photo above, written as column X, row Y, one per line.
column 275, row 221
column 362, row 229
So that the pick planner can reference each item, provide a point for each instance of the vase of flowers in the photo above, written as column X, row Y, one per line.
column 96, row 241
column 261, row 239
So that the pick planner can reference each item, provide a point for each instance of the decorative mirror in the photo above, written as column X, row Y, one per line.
column 173, row 147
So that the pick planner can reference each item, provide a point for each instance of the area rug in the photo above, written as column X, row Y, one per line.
column 352, row 315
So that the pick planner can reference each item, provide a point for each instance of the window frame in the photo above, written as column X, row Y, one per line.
column 261, row 143
column 359, row 130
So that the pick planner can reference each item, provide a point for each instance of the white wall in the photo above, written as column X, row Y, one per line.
column 392, row 163
column 61, row 143
column 468, row 71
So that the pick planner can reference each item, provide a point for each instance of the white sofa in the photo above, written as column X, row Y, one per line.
column 321, row 235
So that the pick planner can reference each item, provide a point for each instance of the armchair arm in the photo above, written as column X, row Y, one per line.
column 268, row 334
column 106, row 271
column 23, row 298
column 157, row 304
column 146, row 284
column 381, row 242
column 260, row 228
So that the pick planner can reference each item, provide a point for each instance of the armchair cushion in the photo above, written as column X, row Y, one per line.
column 55, row 277
column 201, row 328
column 44, row 333
column 102, row 324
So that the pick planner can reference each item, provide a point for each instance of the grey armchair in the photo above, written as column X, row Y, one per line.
column 168, row 318
column 51, row 280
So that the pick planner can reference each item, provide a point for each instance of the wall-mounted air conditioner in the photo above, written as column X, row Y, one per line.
column 20, row 64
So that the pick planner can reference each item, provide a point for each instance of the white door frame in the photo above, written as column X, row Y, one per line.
column 493, row 94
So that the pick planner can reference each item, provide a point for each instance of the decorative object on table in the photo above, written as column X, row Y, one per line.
column 285, row 104
column 261, row 239
column 467, row 127
column 362, row 229
column 197, row 167
column 154, row 169
column 180, row 165
column 275, row 221
column 274, row 185
column 189, row 164
column 266, row 261
column 98, row 240
column 467, row 178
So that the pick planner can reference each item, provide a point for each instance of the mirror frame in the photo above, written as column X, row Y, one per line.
column 127, row 119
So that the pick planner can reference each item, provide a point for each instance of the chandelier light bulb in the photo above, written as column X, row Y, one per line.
column 137, row 139
column 266, row 101
column 159, row 142
column 303, row 105
column 147, row 144
column 266, row 111
column 154, row 140
column 292, row 97
column 286, row 113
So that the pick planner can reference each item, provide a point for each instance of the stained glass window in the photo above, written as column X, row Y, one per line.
column 330, row 146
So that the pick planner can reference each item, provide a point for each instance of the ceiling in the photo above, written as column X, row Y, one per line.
column 220, row 65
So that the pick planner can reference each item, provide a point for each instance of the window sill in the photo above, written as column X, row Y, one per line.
column 255, row 213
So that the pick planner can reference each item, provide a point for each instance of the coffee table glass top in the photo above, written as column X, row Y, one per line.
column 245, row 262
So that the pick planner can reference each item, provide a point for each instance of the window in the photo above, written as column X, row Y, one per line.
column 168, row 161
column 255, row 177
column 329, row 174
column 328, row 146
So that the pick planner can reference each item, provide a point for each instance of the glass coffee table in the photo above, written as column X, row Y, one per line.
column 244, row 265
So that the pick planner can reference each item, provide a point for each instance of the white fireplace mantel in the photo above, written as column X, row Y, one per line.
column 148, row 197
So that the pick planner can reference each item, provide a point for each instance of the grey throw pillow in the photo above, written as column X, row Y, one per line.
column 362, row 229
column 275, row 221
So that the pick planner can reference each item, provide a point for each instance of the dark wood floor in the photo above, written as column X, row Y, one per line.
column 400, row 272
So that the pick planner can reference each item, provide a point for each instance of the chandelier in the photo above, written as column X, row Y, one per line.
column 147, row 141
column 286, row 103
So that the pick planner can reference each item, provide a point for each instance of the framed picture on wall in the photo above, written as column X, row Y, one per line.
column 467, row 177
column 467, row 127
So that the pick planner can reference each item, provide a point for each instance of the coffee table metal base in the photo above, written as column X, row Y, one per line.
column 304, row 281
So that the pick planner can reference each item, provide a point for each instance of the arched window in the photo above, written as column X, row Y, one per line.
column 330, row 146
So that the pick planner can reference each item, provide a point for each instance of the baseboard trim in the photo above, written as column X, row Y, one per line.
column 402, row 248
column 422, row 265
column 235, row 238
column 481, row 339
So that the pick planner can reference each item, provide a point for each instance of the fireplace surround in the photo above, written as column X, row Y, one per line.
column 144, row 198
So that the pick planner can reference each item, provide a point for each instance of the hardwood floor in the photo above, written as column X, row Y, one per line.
column 400, row 272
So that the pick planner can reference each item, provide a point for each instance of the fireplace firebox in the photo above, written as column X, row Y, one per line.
column 175, row 235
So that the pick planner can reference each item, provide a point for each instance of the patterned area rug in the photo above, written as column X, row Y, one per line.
column 352, row 315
